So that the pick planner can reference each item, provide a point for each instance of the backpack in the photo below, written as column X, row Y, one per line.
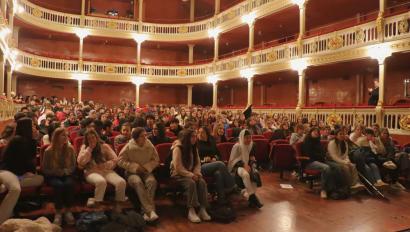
column 130, row 221
column 222, row 214
column 91, row 221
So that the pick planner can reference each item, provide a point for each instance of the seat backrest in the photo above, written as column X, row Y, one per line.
column 42, row 150
column 267, row 134
column 298, row 148
column 114, row 133
column 78, row 141
column 74, row 135
column 324, row 144
column 262, row 149
column 283, row 156
column 72, row 128
column 229, row 132
column 258, row 137
column 225, row 150
column 163, row 150
column 279, row 141
column 169, row 134
column 120, row 147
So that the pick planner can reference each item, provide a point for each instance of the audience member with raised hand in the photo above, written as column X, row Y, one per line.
column 186, row 170
column 139, row 158
column 158, row 134
column 338, row 150
column 58, row 166
column 212, row 166
column 19, row 156
column 241, row 165
column 99, row 161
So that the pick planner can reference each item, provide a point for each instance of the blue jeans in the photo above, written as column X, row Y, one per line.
column 63, row 190
column 324, row 170
column 372, row 172
column 223, row 179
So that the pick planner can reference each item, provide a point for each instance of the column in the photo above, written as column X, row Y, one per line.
column 359, row 89
column 251, row 36
column 302, row 20
column 191, row 53
column 9, row 77
column 380, row 20
column 382, row 7
column 217, row 6
column 3, row 7
column 250, row 91
column 2, row 74
column 216, row 48
column 140, row 4
column 382, row 72
column 15, row 36
column 302, row 86
column 189, row 100
column 263, row 93
column 137, row 95
column 232, row 96
column 82, row 19
column 80, row 54
column 192, row 11
column 138, row 53
column 14, row 84
column 80, row 90
column 215, row 95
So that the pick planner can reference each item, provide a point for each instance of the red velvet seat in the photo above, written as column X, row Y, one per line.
column 170, row 134
column 120, row 147
column 72, row 128
column 283, row 157
column 268, row 135
column 229, row 133
column 163, row 172
column 73, row 135
column 225, row 150
column 258, row 137
column 78, row 142
column 115, row 133
column 262, row 150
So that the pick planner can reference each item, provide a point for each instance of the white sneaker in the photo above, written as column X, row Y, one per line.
column 245, row 194
column 91, row 203
column 380, row 183
column 192, row 216
column 390, row 165
column 357, row 187
column 204, row 215
column 69, row 218
column 153, row 216
column 146, row 217
column 58, row 219
column 323, row 194
column 397, row 185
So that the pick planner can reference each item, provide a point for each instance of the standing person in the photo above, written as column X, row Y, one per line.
column 99, row 161
column 58, row 165
column 240, row 162
column 19, row 156
column 374, row 94
column 186, row 170
column 139, row 158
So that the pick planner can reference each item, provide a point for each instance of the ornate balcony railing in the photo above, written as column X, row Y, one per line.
column 318, row 49
column 226, row 20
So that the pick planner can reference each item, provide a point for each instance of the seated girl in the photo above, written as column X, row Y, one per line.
column 240, row 165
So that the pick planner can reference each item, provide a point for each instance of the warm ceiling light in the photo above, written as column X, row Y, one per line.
column 300, row 3
column 299, row 65
column 214, row 32
column 4, row 32
column 18, row 9
column 82, row 33
column 379, row 52
column 139, row 38
column 247, row 73
column 213, row 79
column 138, row 80
column 13, row 54
column 17, row 66
column 249, row 18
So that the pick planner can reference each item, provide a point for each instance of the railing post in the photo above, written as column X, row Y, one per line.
column 191, row 53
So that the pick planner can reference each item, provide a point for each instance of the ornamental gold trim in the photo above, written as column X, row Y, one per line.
column 230, row 65
column 333, row 119
column 403, row 26
column 35, row 62
column 272, row 56
column 183, row 29
column 37, row 13
column 405, row 123
column 110, row 69
column 359, row 118
column 181, row 72
column 112, row 25
column 335, row 42
column 231, row 15
column 360, row 35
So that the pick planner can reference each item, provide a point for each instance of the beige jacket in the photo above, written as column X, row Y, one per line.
column 177, row 166
column 136, row 159
column 85, row 160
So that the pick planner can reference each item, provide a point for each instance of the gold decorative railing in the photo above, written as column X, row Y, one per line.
column 226, row 20
column 8, row 109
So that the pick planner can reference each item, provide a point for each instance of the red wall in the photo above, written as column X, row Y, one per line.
column 71, row 6
column 97, row 91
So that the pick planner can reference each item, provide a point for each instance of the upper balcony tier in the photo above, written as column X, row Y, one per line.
column 108, row 27
column 347, row 44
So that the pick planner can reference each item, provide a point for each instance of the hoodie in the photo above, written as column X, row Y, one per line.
column 134, row 158
column 177, row 166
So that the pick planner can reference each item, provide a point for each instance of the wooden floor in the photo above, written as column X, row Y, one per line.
column 298, row 209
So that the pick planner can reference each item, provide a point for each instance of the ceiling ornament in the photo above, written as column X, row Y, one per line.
column 37, row 13
column 360, row 35
column 181, row 72
column 335, row 42
column 403, row 26
column 405, row 122
column 272, row 56
column 110, row 69
column 333, row 119
column 182, row 29
column 34, row 62
column 112, row 25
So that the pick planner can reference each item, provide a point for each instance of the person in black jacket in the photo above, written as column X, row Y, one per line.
column 312, row 148
column 212, row 166
column 158, row 135
column 374, row 94
column 20, row 154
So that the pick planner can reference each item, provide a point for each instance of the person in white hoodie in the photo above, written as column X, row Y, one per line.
column 338, row 150
column 139, row 158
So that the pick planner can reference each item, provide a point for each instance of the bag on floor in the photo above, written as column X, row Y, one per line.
column 130, row 221
column 222, row 214
column 91, row 221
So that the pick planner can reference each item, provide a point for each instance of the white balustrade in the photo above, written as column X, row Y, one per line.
column 46, row 63
column 397, row 27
